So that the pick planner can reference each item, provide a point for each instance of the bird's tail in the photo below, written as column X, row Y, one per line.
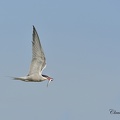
column 20, row 78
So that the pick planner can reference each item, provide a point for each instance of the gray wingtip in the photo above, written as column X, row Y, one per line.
column 34, row 30
column 34, row 27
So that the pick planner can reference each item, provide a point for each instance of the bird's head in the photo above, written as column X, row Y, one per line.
column 48, row 78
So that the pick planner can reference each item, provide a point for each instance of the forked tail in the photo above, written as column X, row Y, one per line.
column 20, row 78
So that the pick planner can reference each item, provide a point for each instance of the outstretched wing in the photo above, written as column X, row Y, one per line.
column 38, row 58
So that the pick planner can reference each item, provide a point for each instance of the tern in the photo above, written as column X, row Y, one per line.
column 38, row 62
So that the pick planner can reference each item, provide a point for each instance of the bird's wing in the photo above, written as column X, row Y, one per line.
column 38, row 58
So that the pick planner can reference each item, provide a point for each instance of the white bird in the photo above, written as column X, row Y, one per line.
column 38, row 63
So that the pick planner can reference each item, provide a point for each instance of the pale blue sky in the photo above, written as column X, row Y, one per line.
column 81, row 41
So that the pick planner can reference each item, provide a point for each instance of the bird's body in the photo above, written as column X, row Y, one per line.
column 31, row 78
column 38, row 62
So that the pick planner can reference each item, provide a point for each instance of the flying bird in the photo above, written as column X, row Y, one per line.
column 38, row 62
